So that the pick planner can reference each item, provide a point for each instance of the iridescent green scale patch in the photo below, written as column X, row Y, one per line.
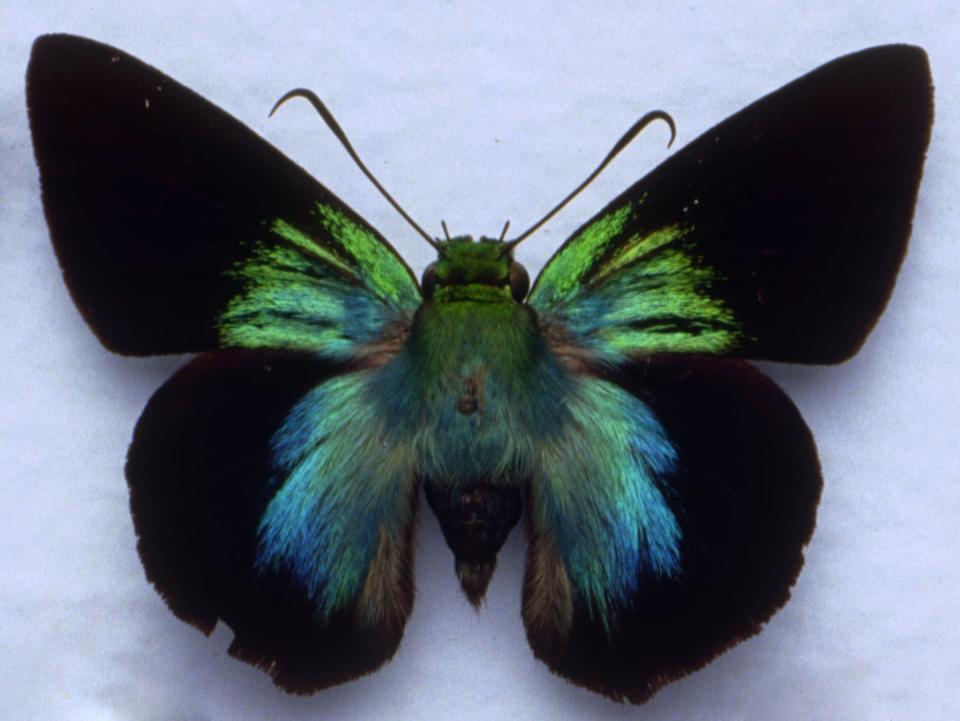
column 382, row 270
column 637, row 248
column 627, row 295
column 306, row 245
column 664, row 304
column 565, row 273
column 301, row 293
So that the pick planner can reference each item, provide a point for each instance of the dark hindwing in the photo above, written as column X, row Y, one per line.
column 210, row 465
column 742, row 493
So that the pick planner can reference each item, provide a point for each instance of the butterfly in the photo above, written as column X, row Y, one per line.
column 667, row 487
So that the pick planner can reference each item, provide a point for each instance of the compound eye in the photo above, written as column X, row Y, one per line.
column 428, row 283
column 519, row 281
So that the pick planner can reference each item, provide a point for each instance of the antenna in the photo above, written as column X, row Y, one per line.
column 335, row 128
column 628, row 136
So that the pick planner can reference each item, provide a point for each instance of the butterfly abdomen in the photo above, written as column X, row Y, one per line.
column 476, row 516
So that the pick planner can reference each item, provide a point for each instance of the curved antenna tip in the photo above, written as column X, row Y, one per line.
column 335, row 128
column 665, row 117
column 296, row 92
column 624, row 141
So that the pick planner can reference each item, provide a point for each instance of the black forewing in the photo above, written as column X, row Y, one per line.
column 154, row 197
column 781, row 229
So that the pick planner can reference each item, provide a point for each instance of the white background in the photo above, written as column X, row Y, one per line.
column 477, row 112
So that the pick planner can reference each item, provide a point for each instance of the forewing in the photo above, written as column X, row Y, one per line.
column 180, row 230
column 268, row 493
column 668, row 521
column 777, row 234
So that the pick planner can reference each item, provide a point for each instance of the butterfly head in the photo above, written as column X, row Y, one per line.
column 482, row 270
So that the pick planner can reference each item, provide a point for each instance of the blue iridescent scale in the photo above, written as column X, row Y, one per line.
column 349, row 449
